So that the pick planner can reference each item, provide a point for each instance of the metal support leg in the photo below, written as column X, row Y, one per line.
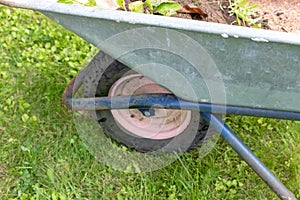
column 246, row 154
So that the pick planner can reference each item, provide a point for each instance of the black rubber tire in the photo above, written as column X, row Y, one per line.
column 98, row 81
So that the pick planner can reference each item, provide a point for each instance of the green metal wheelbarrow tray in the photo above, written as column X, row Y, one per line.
column 206, row 67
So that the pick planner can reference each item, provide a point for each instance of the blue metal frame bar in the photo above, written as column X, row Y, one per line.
column 246, row 154
column 161, row 101
column 172, row 102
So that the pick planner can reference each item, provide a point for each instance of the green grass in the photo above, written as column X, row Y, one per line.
column 42, row 157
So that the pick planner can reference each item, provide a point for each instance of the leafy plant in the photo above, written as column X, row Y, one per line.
column 137, row 6
column 167, row 8
column 242, row 10
column 163, row 7
column 88, row 3
column 121, row 3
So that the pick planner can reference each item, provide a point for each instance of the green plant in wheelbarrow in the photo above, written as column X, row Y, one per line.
column 83, row 2
column 242, row 10
column 162, row 7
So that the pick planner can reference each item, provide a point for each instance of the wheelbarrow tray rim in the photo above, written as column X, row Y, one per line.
column 225, row 30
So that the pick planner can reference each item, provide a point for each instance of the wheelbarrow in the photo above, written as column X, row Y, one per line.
column 163, row 69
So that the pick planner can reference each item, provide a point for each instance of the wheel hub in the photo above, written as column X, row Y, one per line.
column 158, row 124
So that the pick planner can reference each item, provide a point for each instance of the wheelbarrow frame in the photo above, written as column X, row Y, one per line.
column 208, row 111
column 290, row 43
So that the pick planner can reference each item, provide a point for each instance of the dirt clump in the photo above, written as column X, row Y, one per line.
column 280, row 15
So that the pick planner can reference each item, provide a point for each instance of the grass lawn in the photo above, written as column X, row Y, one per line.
column 42, row 157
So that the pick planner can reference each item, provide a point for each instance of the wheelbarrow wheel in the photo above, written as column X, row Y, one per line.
column 167, row 130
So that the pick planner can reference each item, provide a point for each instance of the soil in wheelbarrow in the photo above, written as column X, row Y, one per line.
column 278, row 15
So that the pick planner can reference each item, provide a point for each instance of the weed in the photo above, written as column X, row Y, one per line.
column 163, row 7
column 242, row 10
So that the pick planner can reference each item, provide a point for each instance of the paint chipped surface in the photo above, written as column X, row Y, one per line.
column 224, row 35
column 259, row 40
column 204, row 100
